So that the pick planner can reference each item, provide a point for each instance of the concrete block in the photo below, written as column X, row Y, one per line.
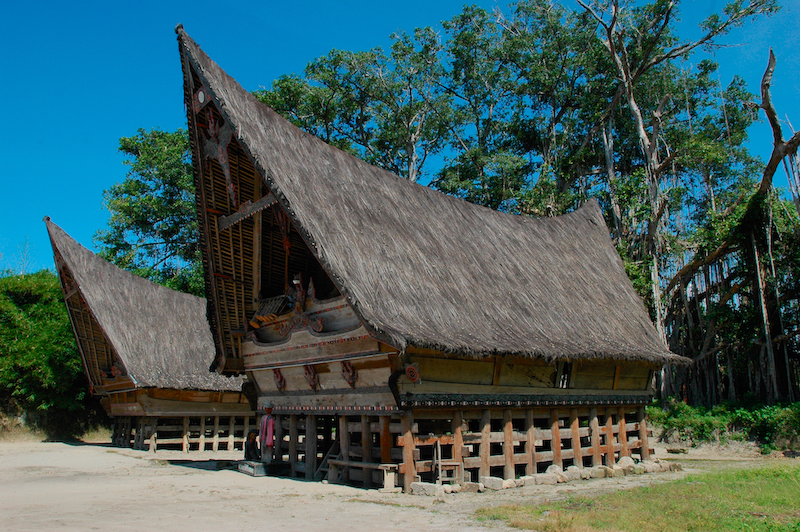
column 492, row 483
column 546, row 479
column 472, row 487
column 426, row 489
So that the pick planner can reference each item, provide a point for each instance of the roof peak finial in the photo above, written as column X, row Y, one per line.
column 179, row 28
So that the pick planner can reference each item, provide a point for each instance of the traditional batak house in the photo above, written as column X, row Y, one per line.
column 147, row 350
column 395, row 328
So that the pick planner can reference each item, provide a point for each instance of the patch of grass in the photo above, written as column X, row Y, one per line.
column 763, row 499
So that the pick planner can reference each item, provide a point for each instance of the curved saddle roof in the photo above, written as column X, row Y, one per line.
column 424, row 269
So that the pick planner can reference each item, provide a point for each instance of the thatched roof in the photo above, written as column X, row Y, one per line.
column 161, row 336
column 424, row 269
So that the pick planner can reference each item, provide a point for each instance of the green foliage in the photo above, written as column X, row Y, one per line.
column 41, row 373
column 152, row 230
column 773, row 426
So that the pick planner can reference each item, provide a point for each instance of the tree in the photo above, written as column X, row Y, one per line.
column 41, row 373
column 152, row 230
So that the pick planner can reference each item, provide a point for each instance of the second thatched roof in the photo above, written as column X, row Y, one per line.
column 161, row 336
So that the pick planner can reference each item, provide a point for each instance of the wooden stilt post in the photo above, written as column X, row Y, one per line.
column 623, row 432
column 644, row 440
column 311, row 446
column 344, row 446
column 215, row 441
column 508, row 446
column 594, row 429
column 293, row 443
column 278, row 439
column 555, row 438
column 575, row 427
column 232, row 433
column 458, row 440
column 386, row 440
column 246, row 429
column 530, row 443
column 610, row 447
column 410, row 467
column 202, row 446
column 486, row 430
column 185, row 444
column 366, row 450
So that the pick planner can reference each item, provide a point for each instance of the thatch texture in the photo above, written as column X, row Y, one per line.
column 424, row 269
column 161, row 336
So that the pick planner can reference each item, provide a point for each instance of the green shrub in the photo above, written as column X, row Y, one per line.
column 774, row 427
column 41, row 374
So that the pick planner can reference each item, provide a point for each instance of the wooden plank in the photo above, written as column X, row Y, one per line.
column 484, row 451
column 617, row 373
column 185, row 442
column 555, row 440
column 530, row 443
column 458, row 436
column 246, row 210
column 278, row 439
column 508, row 446
column 344, row 443
column 623, row 432
column 366, row 446
column 215, row 441
column 386, row 438
column 594, row 427
column 408, row 453
column 202, row 440
column 293, row 442
column 574, row 423
column 610, row 444
column 643, row 434
column 232, row 433
column 311, row 446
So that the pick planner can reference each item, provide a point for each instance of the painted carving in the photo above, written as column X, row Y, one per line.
column 349, row 373
column 216, row 147
column 280, row 381
column 311, row 377
column 300, row 322
column 412, row 372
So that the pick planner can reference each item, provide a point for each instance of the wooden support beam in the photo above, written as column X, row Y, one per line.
column 555, row 438
column 185, row 437
column 293, row 441
column 278, row 439
column 246, row 429
column 311, row 446
column 458, row 437
column 530, row 443
column 594, row 429
column 386, row 439
column 366, row 449
column 486, row 432
column 202, row 439
column 410, row 474
column 623, row 432
column 574, row 422
column 508, row 445
column 245, row 211
column 644, row 441
column 344, row 446
column 215, row 441
column 610, row 447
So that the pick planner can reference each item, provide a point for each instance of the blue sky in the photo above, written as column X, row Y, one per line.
column 77, row 76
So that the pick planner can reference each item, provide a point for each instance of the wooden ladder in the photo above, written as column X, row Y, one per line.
column 323, row 468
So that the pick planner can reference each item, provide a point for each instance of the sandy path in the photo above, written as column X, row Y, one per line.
column 57, row 486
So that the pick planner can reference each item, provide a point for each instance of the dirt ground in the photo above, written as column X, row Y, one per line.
column 93, row 486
